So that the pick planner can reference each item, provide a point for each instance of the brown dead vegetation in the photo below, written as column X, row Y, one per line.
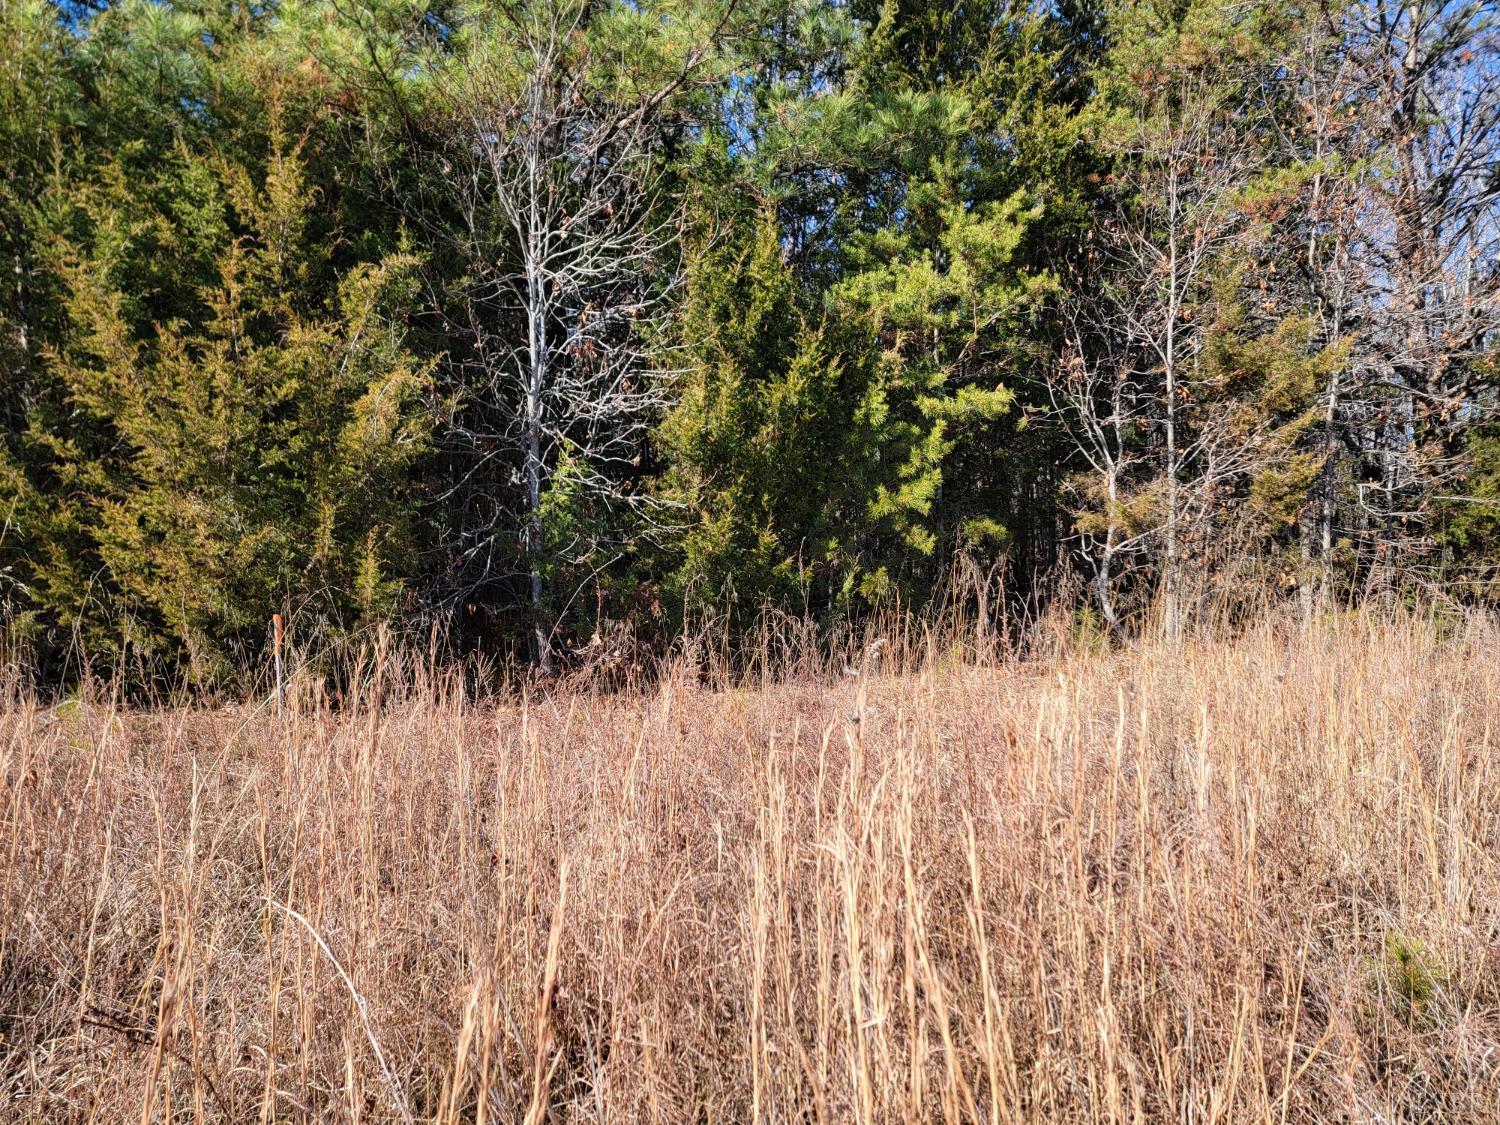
column 1254, row 880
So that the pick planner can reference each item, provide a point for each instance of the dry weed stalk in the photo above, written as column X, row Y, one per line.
column 1246, row 881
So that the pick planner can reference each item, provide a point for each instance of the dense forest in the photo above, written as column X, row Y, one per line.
column 535, row 324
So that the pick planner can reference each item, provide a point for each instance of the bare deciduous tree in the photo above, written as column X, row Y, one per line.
column 1427, row 115
column 1097, row 397
column 1182, row 157
column 555, row 161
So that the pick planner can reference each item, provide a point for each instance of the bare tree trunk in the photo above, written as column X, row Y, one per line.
column 1104, row 585
column 536, row 319
column 1428, row 245
column 567, row 224
column 1326, row 489
column 1333, row 330
column 1104, row 572
column 541, row 626
column 1172, row 560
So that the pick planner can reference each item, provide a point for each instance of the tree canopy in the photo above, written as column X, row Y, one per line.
column 541, row 319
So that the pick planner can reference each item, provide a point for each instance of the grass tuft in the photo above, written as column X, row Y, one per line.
column 1253, row 879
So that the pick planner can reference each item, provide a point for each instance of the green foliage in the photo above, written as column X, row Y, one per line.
column 945, row 297
column 1264, row 383
column 929, row 269
column 1407, row 979
column 1468, row 523
column 238, row 352
column 767, row 448
column 825, row 437
column 217, row 469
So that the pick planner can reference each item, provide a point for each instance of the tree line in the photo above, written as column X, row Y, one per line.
column 534, row 321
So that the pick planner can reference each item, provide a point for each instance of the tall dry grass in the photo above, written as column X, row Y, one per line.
column 1246, row 881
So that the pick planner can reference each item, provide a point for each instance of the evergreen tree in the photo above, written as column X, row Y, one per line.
column 898, row 161
column 259, row 455
column 222, row 418
column 771, row 444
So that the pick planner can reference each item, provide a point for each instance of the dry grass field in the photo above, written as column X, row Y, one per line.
column 1250, row 881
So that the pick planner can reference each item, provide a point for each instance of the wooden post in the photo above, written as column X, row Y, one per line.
column 276, row 650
